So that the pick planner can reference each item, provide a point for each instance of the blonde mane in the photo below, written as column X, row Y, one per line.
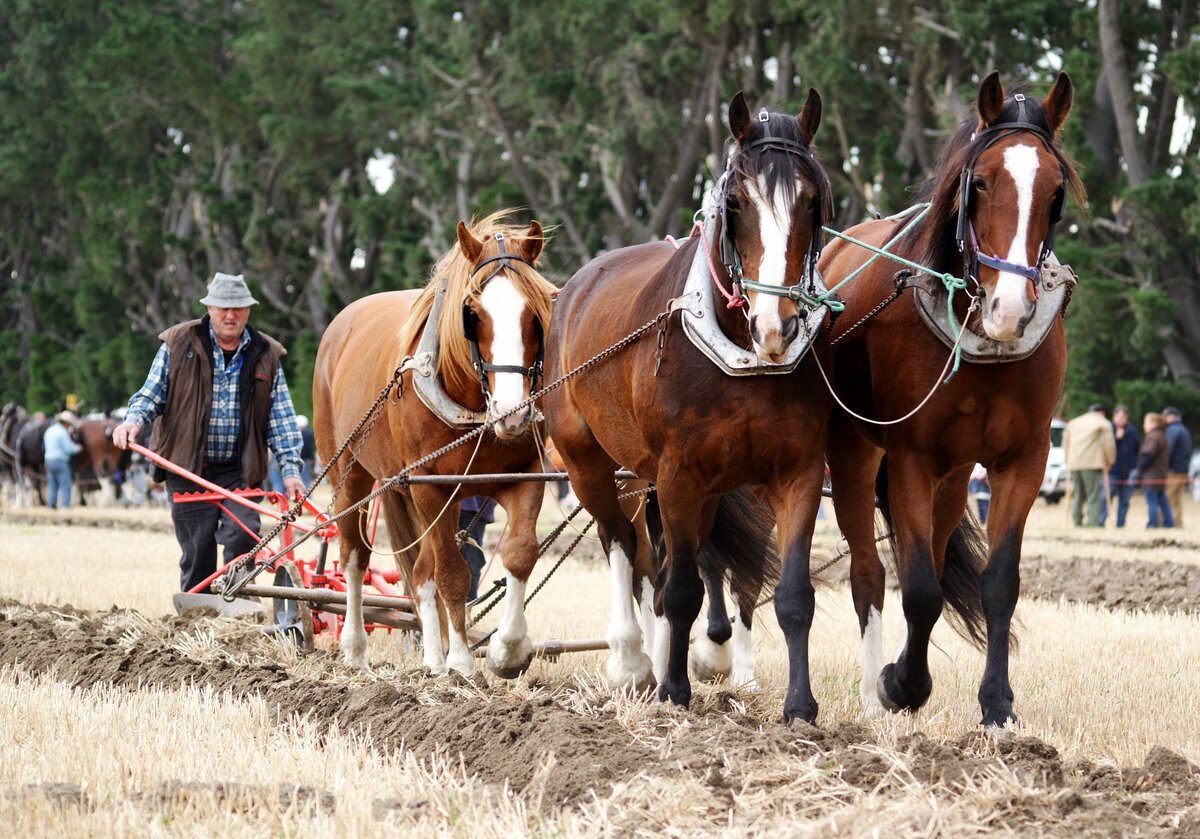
column 454, row 353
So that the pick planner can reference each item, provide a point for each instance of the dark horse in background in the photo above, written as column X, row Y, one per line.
column 688, row 426
column 995, row 196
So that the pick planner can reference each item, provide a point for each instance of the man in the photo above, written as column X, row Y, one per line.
column 1120, row 487
column 59, row 447
column 1089, row 449
column 1179, row 453
column 479, row 511
column 218, row 399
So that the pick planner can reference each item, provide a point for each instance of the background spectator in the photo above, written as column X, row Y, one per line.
column 1179, row 453
column 1120, row 487
column 60, row 447
column 1152, row 471
column 1089, row 449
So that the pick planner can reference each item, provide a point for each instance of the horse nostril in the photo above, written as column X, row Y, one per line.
column 791, row 327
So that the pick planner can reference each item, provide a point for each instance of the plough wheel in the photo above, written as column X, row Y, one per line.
column 293, row 617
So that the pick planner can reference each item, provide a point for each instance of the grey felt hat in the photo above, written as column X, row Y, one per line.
column 228, row 291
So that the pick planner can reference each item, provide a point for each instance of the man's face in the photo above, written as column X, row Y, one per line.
column 228, row 324
column 1120, row 419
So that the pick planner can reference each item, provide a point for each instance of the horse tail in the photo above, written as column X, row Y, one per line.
column 741, row 543
column 966, row 557
column 402, row 520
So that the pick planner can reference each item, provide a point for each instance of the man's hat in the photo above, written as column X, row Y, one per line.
column 1172, row 411
column 228, row 291
column 67, row 416
column 1097, row 406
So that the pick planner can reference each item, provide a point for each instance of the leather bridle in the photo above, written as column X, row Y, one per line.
column 470, row 322
column 968, row 244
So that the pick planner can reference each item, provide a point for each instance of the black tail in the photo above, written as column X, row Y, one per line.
column 966, row 557
column 741, row 543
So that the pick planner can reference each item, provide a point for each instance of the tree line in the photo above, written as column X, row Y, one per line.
column 327, row 150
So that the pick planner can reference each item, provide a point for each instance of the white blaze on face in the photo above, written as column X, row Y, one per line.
column 505, row 305
column 1004, row 312
column 774, row 227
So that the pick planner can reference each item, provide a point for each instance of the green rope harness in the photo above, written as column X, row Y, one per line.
column 828, row 298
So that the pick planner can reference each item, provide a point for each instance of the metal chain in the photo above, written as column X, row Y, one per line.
column 402, row 476
column 901, row 276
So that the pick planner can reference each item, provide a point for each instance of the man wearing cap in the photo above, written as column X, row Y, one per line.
column 1089, row 449
column 1179, row 454
column 59, row 447
column 218, row 399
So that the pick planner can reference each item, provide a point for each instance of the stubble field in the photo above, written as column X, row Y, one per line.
column 123, row 718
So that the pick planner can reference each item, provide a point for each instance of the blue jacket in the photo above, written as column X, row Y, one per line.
column 58, row 443
column 1179, row 447
column 1127, row 454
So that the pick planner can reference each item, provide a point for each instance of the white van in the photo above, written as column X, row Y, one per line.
column 1054, row 484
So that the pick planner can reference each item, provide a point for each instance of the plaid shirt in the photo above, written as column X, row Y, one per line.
column 224, row 421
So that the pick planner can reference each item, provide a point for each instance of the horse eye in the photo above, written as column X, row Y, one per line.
column 979, row 185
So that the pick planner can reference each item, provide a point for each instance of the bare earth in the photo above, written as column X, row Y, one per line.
column 505, row 739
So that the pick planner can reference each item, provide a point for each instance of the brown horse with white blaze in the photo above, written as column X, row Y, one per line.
column 693, row 429
column 489, row 347
column 994, row 199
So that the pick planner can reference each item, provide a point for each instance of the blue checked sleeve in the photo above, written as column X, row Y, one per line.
column 148, row 402
column 283, row 434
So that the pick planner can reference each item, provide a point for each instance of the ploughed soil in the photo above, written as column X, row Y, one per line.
column 504, row 739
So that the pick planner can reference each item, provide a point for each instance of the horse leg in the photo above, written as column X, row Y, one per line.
column 442, row 579
column 682, row 591
column 355, row 557
column 711, row 656
column 591, row 469
column 906, row 684
column 1013, row 493
column 509, row 650
column 853, row 464
column 645, row 572
column 742, row 675
column 795, row 598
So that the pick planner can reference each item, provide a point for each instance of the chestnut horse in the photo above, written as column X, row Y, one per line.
column 693, row 429
column 100, row 460
column 489, row 339
column 1000, row 221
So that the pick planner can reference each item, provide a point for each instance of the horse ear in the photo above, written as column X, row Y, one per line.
column 534, row 241
column 471, row 247
column 991, row 99
column 810, row 116
column 739, row 118
column 1057, row 103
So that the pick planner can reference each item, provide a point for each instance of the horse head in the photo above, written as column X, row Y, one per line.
column 775, row 198
column 1012, row 183
column 505, row 316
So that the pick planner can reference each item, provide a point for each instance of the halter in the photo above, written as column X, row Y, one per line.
column 470, row 321
column 973, row 256
column 728, row 246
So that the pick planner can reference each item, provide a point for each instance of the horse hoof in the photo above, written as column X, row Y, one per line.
column 633, row 674
column 804, row 714
column 679, row 694
column 508, row 661
column 893, row 697
column 710, row 662
column 996, row 723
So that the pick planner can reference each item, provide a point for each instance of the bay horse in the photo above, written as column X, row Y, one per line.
column 676, row 418
column 994, row 198
column 100, row 460
column 489, row 348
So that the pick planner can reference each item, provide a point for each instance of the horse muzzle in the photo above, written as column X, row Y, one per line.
column 772, row 342
column 512, row 425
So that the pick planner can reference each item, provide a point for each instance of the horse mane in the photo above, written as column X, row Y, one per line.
column 454, row 353
column 935, row 240
column 782, row 167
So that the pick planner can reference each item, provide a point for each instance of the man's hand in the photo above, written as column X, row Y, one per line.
column 125, row 433
column 293, row 488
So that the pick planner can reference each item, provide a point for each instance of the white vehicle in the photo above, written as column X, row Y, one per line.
column 1054, row 484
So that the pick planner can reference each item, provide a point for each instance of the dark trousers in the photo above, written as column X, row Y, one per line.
column 1121, row 491
column 473, row 555
column 201, row 525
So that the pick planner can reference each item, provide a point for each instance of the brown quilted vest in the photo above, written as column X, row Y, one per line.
column 181, row 431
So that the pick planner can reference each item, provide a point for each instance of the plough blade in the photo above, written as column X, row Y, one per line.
column 237, row 607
